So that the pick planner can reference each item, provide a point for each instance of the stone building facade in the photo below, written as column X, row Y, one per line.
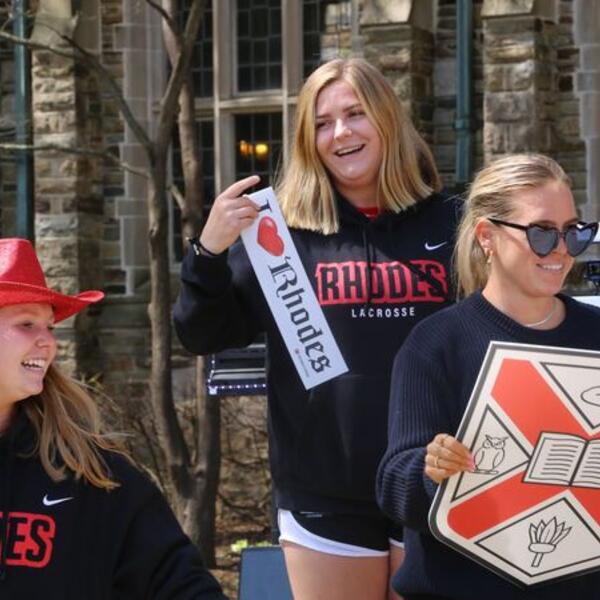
column 535, row 80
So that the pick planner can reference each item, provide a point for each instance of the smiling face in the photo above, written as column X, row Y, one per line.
column 27, row 348
column 348, row 143
column 516, row 271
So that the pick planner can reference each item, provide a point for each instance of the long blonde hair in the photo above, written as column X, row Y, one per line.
column 407, row 174
column 491, row 195
column 67, row 424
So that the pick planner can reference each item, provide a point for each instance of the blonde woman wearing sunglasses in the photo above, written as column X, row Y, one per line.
column 516, row 244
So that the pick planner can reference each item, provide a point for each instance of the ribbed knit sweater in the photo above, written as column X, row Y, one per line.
column 433, row 377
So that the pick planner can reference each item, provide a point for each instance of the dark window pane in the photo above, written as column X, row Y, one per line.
column 202, row 69
column 258, row 45
column 319, row 17
column 260, row 51
column 245, row 49
column 243, row 24
column 274, row 49
column 275, row 21
column 258, row 153
column 260, row 78
column 245, row 78
column 259, row 22
column 275, row 74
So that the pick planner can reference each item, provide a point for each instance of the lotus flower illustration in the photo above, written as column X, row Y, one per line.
column 544, row 537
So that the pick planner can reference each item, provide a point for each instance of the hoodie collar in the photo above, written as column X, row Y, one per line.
column 350, row 215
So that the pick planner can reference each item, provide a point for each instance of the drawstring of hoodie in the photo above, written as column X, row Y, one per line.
column 367, row 248
column 5, row 501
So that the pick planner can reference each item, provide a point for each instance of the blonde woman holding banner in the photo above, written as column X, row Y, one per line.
column 375, row 237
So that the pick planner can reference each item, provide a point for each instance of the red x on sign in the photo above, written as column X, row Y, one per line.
column 531, row 508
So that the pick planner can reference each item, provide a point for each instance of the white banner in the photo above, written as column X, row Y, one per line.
column 289, row 294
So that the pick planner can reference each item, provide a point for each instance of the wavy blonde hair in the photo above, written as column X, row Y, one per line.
column 68, row 428
column 492, row 195
column 407, row 174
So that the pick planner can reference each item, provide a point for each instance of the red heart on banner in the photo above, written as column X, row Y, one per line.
column 268, row 237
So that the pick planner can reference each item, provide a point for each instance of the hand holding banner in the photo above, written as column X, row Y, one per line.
column 289, row 294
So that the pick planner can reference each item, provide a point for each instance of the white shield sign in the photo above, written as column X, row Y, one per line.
column 530, row 510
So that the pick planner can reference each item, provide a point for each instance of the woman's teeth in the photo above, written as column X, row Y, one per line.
column 346, row 151
column 34, row 363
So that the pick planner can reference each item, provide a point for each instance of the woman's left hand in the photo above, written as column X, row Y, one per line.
column 445, row 457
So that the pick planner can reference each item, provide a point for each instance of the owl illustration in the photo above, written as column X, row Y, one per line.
column 490, row 454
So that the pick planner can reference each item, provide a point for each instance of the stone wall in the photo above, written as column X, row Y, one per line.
column 401, row 45
column 569, row 148
column 68, row 187
column 114, row 131
column 587, row 88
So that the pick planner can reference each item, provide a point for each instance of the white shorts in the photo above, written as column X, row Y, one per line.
column 291, row 531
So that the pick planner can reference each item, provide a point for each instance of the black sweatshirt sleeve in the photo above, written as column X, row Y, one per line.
column 156, row 559
column 215, row 309
column 418, row 411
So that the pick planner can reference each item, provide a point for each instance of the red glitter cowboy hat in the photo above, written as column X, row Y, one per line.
column 22, row 281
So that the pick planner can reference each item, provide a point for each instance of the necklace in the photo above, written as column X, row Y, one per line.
column 546, row 318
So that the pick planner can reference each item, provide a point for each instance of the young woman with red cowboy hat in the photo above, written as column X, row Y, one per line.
column 77, row 519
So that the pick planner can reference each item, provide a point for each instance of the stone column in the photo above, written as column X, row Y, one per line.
column 520, row 76
column 397, row 39
column 68, row 198
column 587, row 85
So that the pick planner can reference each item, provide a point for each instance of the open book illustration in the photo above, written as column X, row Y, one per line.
column 565, row 459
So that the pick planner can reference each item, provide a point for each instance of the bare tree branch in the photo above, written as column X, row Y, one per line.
column 97, row 66
column 14, row 39
column 80, row 151
column 171, row 23
column 178, row 196
column 178, row 75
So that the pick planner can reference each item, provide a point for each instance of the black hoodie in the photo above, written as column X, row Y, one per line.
column 73, row 541
column 374, row 279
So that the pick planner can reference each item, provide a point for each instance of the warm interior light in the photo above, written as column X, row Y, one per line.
column 261, row 149
column 246, row 149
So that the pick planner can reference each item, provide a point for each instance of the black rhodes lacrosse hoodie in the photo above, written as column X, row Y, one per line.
column 374, row 279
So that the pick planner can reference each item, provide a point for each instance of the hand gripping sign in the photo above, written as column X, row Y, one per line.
column 290, row 297
column 530, row 510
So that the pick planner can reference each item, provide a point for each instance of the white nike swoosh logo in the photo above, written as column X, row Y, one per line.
column 47, row 502
column 434, row 246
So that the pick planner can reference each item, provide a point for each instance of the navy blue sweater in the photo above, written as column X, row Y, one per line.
column 433, row 377
column 374, row 281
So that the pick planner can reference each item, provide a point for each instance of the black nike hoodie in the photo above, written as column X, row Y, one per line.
column 73, row 541
column 374, row 279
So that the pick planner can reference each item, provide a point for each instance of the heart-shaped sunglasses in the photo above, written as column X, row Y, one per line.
column 542, row 240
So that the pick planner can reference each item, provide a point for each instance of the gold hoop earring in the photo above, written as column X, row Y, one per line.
column 488, row 256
